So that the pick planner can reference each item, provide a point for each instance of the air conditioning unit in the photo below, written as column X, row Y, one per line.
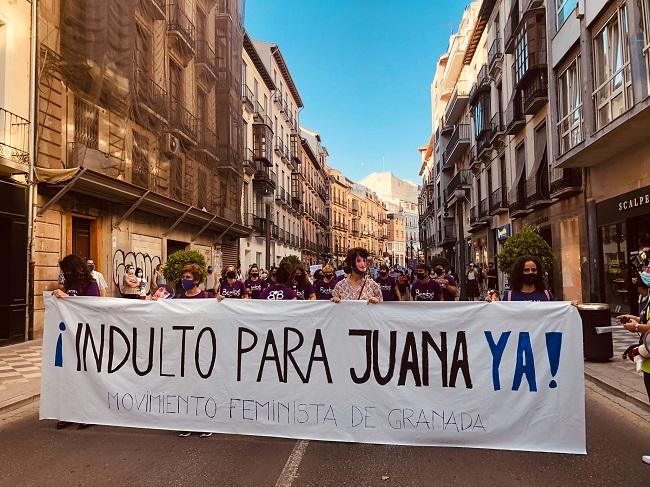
column 171, row 146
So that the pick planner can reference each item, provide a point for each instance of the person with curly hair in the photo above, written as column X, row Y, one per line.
column 78, row 278
column 527, row 281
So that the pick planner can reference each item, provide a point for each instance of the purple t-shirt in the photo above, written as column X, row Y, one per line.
column 426, row 291
column 91, row 290
column 324, row 289
column 521, row 296
column 255, row 287
column 234, row 290
column 452, row 282
column 304, row 291
column 387, row 286
column 201, row 295
column 278, row 292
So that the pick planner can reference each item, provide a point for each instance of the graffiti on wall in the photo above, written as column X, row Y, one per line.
column 145, row 262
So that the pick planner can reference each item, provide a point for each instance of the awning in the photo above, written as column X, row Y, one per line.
column 105, row 188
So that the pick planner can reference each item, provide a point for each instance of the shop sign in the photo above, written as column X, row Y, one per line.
column 628, row 205
column 504, row 232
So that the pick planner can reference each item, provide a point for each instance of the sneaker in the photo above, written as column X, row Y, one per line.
column 184, row 434
column 646, row 458
column 205, row 435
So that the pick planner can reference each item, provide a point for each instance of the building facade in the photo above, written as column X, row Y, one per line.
column 340, row 236
column 396, row 244
column 140, row 145
column 16, row 162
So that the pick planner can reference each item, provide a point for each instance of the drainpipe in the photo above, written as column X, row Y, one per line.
column 31, row 185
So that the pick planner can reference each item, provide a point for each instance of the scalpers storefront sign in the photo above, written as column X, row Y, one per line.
column 492, row 375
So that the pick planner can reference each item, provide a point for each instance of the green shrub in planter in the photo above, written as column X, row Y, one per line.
column 526, row 242
column 176, row 261
column 293, row 261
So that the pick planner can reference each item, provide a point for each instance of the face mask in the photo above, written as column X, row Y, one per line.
column 530, row 279
column 130, row 271
column 421, row 275
column 209, row 270
column 187, row 284
column 255, row 274
column 91, row 267
column 439, row 271
column 231, row 275
column 383, row 273
column 299, row 276
column 645, row 277
column 328, row 276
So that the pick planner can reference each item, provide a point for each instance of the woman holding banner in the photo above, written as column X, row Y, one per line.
column 231, row 287
column 357, row 286
column 527, row 281
column 324, row 286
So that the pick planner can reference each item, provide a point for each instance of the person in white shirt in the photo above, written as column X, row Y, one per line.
column 101, row 282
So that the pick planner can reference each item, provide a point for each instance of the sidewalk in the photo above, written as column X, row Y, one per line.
column 20, row 374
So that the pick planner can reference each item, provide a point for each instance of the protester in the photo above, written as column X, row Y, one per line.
column 78, row 281
column 446, row 282
column 492, row 276
column 142, row 283
column 264, row 275
column 231, row 287
column 280, row 290
column 324, row 286
column 527, row 281
column 404, row 287
column 388, row 285
column 302, row 286
column 272, row 275
column 97, row 276
column 357, row 286
column 130, row 283
column 157, row 279
column 425, row 288
column 473, row 291
column 210, row 279
column 318, row 275
column 492, row 295
column 480, row 276
column 191, row 278
column 254, row 284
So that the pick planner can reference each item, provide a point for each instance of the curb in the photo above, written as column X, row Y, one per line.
column 617, row 392
column 19, row 403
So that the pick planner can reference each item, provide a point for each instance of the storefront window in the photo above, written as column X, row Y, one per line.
column 615, row 269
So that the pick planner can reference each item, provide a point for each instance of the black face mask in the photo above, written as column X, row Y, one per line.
column 421, row 276
column 328, row 276
column 530, row 279
column 91, row 267
column 255, row 274
column 383, row 273
column 439, row 271
column 299, row 277
column 231, row 275
column 273, row 275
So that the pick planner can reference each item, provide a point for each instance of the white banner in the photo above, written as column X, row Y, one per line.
column 487, row 375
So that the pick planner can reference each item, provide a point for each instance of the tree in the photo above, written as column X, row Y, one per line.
column 292, row 260
column 176, row 261
column 526, row 242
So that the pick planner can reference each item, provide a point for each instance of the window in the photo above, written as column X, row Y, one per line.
column 612, row 76
column 645, row 13
column 86, row 123
column 244, row 69
column 520, row 65
column 481, row 115
column 569, row 99
column 563, row 10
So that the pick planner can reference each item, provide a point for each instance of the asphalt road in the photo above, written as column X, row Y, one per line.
column 35, row 453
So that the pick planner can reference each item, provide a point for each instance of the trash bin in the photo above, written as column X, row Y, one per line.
column 597, row 348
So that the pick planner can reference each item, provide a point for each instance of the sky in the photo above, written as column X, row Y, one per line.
column 364, row 70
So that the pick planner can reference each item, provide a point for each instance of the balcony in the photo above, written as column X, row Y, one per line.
column 483, row 209
column 262, row 144
column 565, row 182
column 355, row 232
column 538, row 189
column 182, row 122
column 277, row 99
column 207, row 143
column 462, row 180
column 482, row 85
column 535, row 92
column 206, row 62
column 247, row 98
column 264, row 181
column 14, row 144
column 484, row 144
column 517, row 200
column 458, row 144
column 155, row 9
column 449, row 235
column 444, row 127
column 297, row 189
column 497, row 130
column 515, row 118
column 275, row 231
column 153, row 102
column 457, row 104
column 181, row 33
column 81, row 155
column 261, row 117
column 498, row 201
column 278, row 147
column 495, row 58
column 248, row 164
column 510, row 29
column 259, row 225
column 295, row 149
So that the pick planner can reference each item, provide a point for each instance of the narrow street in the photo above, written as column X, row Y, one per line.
column 616, row 439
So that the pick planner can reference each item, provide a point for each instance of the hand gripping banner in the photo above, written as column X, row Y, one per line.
column 503, row 375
